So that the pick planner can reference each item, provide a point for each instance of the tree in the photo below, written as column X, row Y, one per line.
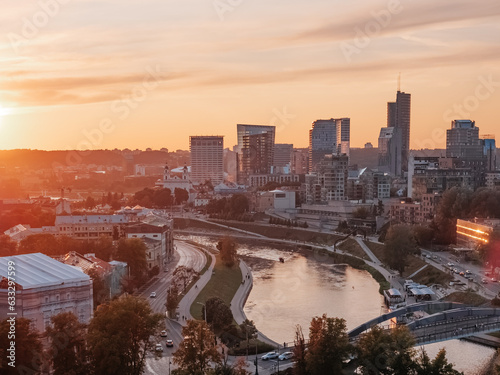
column 238, row 204
column 172, row 298
column 238, row 368
column 198, row 349
column 181, row 195
column 133, row 252
column 438, row 366
column 103, row 248
column 40, row 243
column 328, row 345
column 7, row 246
column 120, row 336
column 299, row 352
column 68, row 345
column 184, row 275
column 361, row 213
column 217, row 314
column 100, row 288
column 399, row 243
column 28, row 347
column 227, row 249
column 90, row 202
column 385, row 353
column 249, row 330
column 423, row 235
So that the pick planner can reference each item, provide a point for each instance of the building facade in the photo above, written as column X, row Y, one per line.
column 329, row 182
column 45, row 287
column 398, row 116
column 327, row 137
column 207, row 159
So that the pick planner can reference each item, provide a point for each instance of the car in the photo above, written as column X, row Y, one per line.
column 467, row 272
column 462, row 273
column 169, row 343
column 484, row 281
column 450, row 264
column 270, row 355
column 163, row 333
column 152, row 295
column 493, row 279
column 428, row 256
column 284, row 356
column 158, row 348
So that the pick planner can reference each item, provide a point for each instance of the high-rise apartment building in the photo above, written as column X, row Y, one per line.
column 398, row 116
column 490, row 152
column 300, row 160
column 257, row 154
column 244, row 129
column 207, row 159
column 328, row 137
column 329, row 182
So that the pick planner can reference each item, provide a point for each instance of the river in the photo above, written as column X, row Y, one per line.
column 304, row 286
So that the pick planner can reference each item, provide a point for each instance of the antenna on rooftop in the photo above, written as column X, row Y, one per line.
column 399, row 82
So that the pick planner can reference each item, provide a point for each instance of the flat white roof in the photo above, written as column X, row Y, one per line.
column 90, row 219
column 39, row 270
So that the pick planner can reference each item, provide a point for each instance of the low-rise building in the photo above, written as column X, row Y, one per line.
column 44, row 288
column 471, row 234
column 91, row 227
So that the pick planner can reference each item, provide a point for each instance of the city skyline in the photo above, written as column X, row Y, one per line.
column 152, row 76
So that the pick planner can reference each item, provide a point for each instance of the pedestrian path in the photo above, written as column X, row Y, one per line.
column 367, row 250
column 417, row 271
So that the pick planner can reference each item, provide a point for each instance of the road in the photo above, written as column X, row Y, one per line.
column 441, row 259
column 185, row 255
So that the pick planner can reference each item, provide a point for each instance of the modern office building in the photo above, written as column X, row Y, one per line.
column 283, row 156
column 390, row 144
column 398, row 116
column 300, row 160
column 489, row 152
column 328, row 137
column 207, row 159
column 45, row 287
column 343, row 135
column 462, row 140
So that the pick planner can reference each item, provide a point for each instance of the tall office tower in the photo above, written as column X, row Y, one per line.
column 462, row 140
column 398, row 116
column 389, row 150
column 231, row 164
column 329, row 182
column 343, row 126
column 282, row 156
column 257, row 155
column 207, row 160
column 243, row 129
column 327, row 137
column 490, row 152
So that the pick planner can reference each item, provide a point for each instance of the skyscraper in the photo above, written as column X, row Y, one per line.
column 207, row 158
column 282, row 155
column 398, row 116
column 490, row 152
column 327, row 137
column 244, row 129
column 462, row 140
column 389, row 150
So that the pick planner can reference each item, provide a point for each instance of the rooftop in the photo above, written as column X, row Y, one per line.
column 39, row 270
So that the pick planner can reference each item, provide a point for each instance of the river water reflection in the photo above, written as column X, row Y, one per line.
column 304, row 286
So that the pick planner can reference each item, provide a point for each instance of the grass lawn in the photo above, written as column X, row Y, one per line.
column 223, row 284
column 377, row 249
column 351, row 246
column 468, row 297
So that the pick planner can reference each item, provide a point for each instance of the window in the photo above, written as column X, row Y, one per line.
column 46, row 299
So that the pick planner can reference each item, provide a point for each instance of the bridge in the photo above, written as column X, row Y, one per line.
column 447, row 321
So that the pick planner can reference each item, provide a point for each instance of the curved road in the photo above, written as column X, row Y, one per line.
column 185, row 255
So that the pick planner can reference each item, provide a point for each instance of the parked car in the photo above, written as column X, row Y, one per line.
column 152, row 295
column 285, row 356
column 163, row 333
column 484, row 281
column 159, row 348
column 270, row 355
column 170, row 343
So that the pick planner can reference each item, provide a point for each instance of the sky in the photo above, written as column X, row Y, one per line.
column 96, row 74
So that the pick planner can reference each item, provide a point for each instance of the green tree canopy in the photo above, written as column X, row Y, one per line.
column 217, row 314
column 120, row 336
column 28, row 348
column 197, row 350
column 228, row 252
column 133, row 252
column 68, row 349
column 328, row 346
column 8, row 247
column 399, row 242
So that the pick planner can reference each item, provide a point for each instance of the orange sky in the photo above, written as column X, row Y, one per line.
column 149, row 73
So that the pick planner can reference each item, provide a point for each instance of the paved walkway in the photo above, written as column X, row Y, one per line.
column 239, row 299
column 367, row 250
